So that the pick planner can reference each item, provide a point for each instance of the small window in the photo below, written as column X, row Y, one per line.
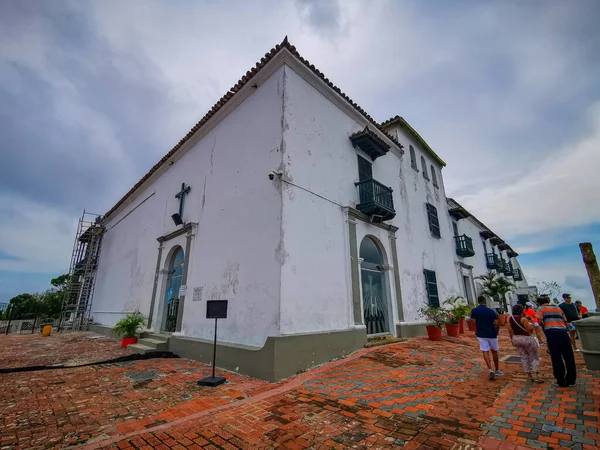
column 434, row 223
column 413, row 158
column 455, row 228
column 424, row 168
column 365, row 169
column 431, row 286
column 433, row 176
column 484, row 248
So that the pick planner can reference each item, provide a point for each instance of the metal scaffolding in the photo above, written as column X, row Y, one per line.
column 77, row 299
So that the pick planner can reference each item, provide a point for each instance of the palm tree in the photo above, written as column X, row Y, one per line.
column 496, row 286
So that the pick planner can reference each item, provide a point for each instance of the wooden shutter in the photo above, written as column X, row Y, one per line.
column 432, row 290
column 434, row 223
column 365, row 170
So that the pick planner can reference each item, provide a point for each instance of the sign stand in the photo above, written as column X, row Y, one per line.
column 215, row 309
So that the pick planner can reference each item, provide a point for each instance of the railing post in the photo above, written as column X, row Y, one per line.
column 10, row 310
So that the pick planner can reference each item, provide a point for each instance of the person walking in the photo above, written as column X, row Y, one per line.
column 554, row 322
column 572, row 314
column 530, row 313
column 585, row 313
column 487, row 324
column 520, row 331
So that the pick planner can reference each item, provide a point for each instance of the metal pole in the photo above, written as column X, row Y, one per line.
column 10, row 311
column 34, row 321
column 215, row 349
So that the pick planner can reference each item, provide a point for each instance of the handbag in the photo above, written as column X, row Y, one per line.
column 537, row 341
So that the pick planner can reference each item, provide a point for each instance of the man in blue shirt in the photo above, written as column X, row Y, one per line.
column 487, row 325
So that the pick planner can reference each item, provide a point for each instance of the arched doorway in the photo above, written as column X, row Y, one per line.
column 376, row 307
column 174, row 276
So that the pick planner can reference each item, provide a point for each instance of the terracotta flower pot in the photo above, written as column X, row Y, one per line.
column 461, row 326
column 434, row 333
column 452, row 329
column 127, row 341
column 471, row 325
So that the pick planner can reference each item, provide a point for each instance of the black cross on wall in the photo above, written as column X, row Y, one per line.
column 180, row 195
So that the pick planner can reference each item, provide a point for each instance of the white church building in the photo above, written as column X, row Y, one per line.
column 319, row 225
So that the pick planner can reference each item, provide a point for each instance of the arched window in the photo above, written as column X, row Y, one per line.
column 413, row 158
column 174, row 278
column 376, row 307
column 424, row 168
column 433, row 176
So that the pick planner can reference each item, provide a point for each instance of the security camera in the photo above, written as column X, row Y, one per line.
column 273, row 174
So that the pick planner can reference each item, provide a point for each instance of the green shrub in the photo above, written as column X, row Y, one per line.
column 129, row 324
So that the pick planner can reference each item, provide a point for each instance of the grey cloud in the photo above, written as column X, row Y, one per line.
column 578, row 282
column 324, row 16
column 60, row 163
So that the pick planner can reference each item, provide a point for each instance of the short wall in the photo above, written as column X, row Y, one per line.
column 103, row 330
column 279, row 358
column 410, row 330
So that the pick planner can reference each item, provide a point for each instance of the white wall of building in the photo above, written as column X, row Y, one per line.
column 319, row 157
column 237, row 250
column 417, row 248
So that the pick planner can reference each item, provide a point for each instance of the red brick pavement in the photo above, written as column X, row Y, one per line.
column 19, row 350
column 415, row 395
column 56, row 408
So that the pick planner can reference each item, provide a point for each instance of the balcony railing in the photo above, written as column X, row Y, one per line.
column 464, row 246
column 492, row 260
column 375, row 199
column 508, row 269
column 517, row 275
column 502, row 265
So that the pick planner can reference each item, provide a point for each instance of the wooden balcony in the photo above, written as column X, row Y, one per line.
column 492, row 260
column 375, row 199
column 508, row 269
column 517, row 275
column 464, row 246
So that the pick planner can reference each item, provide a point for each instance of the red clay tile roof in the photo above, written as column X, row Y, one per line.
column 403, row 123
column 242, row 82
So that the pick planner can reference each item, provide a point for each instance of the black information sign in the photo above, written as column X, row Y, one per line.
column 216, row 309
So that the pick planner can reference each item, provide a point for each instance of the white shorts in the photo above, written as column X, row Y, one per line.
column 487, row 344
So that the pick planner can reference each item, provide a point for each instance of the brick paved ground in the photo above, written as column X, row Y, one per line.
column 414, row 395
column 71, row 406
column 59, row 348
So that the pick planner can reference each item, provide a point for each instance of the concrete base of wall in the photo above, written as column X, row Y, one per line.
column 279, row 358
column 410, row 330
column 589, row 338
column 101, row 329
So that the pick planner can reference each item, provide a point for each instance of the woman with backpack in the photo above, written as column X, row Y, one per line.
column 520, row 330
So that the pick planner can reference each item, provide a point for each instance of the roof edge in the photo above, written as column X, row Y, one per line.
column 285, row 44
column 403, row 123
column 449, row 199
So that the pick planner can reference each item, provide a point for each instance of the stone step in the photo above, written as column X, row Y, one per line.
column 156, row 344
column 141, row 348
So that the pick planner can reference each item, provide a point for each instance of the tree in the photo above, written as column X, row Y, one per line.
column 496, row 287
column 550, row 288
column 22, row 305
column 61, row 282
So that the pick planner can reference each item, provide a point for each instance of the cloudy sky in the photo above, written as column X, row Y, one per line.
column 93, row 93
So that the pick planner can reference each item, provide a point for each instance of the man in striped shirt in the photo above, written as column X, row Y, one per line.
column 554, row 322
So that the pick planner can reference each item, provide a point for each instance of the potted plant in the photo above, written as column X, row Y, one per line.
column 127, row 328
column 471, row 324
column 436, row 318
column 452, row 324
column 460, row 310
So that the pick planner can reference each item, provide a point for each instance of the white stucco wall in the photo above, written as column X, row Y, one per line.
column 236, row 252
column 319, row 157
